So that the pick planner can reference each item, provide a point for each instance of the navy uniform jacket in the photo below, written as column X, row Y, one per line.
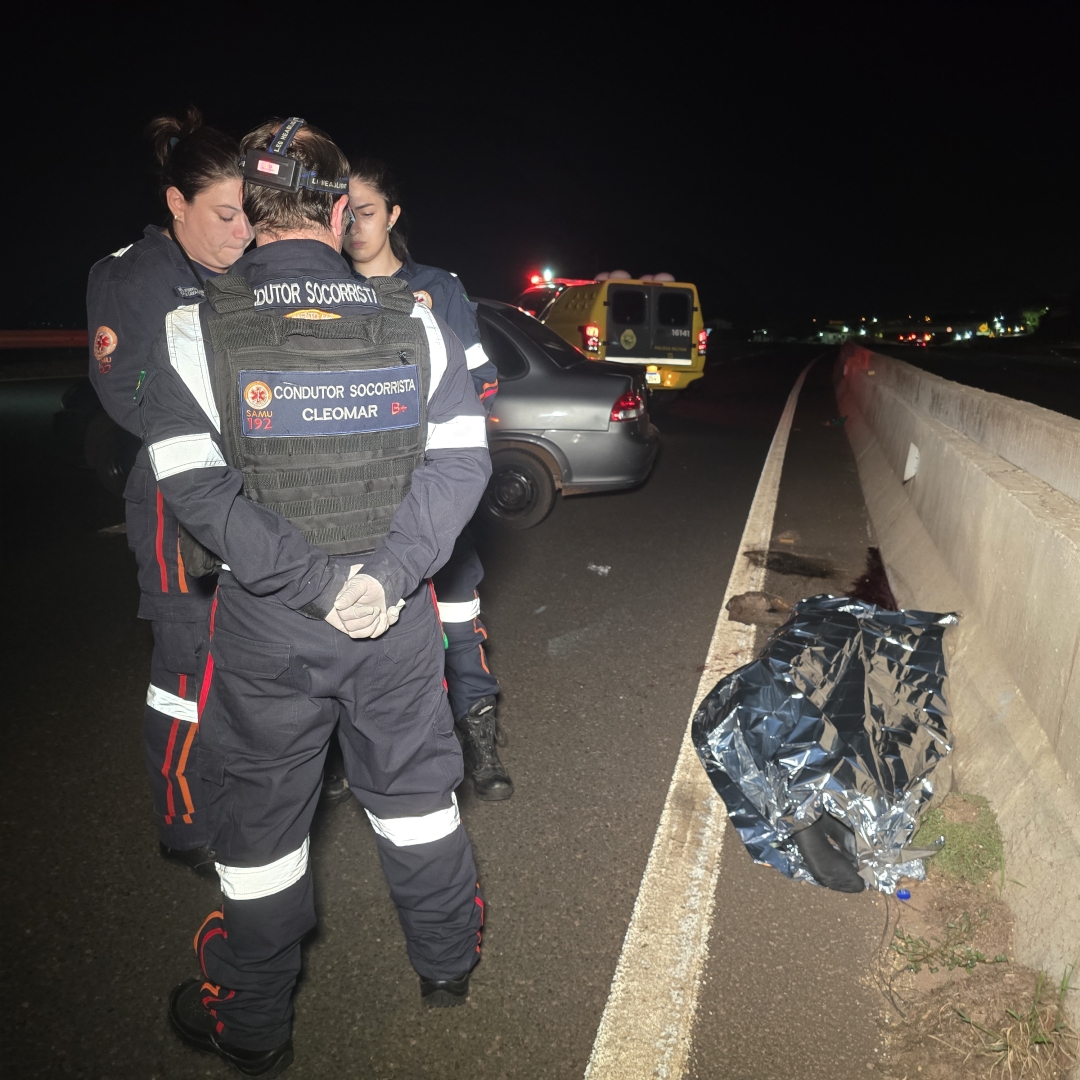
column 444, row 294
column 266, row 553
column 127, row 298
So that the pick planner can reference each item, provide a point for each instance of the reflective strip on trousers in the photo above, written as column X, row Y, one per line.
column 408, row 831
column 184, row 453
column 177, row 707
column 459, row 613
column 253, row 882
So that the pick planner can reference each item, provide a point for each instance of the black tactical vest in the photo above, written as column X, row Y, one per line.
column 325, row 419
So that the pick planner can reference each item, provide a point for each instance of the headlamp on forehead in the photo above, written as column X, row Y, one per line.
column 273, row 168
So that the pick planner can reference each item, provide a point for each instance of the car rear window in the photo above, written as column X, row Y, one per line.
column 555, row 348
column 673, row 309
column 501, row 351
column 535, row 300
column 627, row 307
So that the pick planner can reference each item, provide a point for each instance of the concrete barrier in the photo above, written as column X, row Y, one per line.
column 973, row 498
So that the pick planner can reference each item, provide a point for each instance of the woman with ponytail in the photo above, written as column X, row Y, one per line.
column 376, row 247
column 128, row 296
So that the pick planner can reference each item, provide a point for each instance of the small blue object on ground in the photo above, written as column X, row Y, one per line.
column 903, row 894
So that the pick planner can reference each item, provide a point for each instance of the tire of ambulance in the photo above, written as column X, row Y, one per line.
column 521, row 491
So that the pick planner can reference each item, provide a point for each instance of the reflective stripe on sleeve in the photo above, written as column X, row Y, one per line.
column 460, row 612
column 253, row 882
column 171, row 705
column 184, row 453
column 457, row 433
column 407, row 831
column 436, row 346
column 475, row 356
column 187, row 354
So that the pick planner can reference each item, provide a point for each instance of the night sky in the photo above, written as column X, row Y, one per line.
column 803, row 170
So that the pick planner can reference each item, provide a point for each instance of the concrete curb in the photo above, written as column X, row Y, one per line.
column 973, row 533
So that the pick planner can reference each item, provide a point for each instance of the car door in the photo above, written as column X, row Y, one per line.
column 673, row 322
column 629, row 322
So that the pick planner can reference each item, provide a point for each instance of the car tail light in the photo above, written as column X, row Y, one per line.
column 702, row 341
column 629, row 407
column 590, row 338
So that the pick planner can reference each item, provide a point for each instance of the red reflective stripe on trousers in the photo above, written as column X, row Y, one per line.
column 207, row 678
column 165, row 772
column 208, row 670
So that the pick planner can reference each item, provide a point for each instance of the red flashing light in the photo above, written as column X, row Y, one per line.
column 629, row 407
column 590, row 338
column 536, row 279
column 702, row 341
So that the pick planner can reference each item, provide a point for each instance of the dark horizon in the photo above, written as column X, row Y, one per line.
column 926, row 191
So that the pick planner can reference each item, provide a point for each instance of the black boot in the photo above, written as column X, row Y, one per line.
column 444, row 993
column 196, row 1025
column 201, row 860
column 479, row 728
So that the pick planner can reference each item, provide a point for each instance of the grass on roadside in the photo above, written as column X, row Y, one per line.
column 1036, row 1042
column 973, row 848
column 953, row 950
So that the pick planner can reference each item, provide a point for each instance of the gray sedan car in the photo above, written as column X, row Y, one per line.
column 561, row 422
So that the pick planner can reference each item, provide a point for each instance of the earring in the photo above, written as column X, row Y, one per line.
column 389, row 227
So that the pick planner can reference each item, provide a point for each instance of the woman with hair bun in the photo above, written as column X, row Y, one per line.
column 128, row 296
column 376, row 247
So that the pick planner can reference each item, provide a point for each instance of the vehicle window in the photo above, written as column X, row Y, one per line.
column 673, row 308
column 556, row 348
column 627, row 306
column 502, row 352
column 535, row 301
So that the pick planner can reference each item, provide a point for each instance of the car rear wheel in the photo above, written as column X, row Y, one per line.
column 521, row 491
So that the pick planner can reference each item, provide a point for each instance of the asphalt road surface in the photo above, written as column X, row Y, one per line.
column 598, row 671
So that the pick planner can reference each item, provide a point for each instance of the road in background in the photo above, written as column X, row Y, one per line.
column 599, row 669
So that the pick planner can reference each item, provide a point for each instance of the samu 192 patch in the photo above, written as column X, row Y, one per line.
column 291, row 404
column 104, row 346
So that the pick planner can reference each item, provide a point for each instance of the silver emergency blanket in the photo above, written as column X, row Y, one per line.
column 843, row 713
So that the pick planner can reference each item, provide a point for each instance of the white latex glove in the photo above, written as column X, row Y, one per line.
column 360, row 608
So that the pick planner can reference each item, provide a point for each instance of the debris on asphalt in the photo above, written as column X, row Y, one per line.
column 758, row 609
column 787, row 562
column 837, row 726
column 603, row 571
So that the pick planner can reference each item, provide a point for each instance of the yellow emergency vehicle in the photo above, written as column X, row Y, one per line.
column 656, row 325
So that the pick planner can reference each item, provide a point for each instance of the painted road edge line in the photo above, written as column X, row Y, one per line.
column 648, row 1020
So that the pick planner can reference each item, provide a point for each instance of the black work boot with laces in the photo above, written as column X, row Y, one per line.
column 201, row 859
column 197, row 1026
column 479, row 730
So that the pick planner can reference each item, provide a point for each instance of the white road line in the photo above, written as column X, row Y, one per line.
column 647, row 1024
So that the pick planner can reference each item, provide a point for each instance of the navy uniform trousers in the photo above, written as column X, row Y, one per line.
column 178, row 608
column 275, row 685
column 467, row 676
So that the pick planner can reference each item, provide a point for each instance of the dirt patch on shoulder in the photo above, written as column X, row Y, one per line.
column 959, row 1007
